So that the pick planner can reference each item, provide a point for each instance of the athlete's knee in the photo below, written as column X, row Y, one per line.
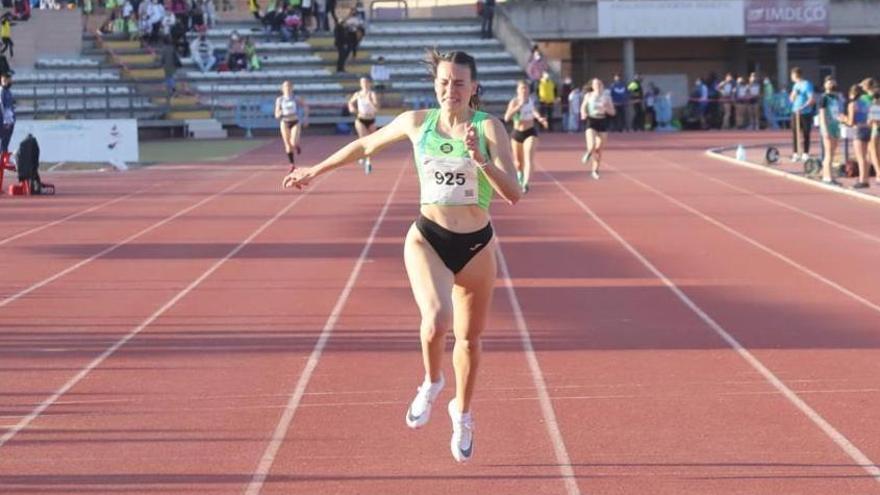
column 436, row 325
column 469, row 344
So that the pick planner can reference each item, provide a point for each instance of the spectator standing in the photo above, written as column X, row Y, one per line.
column 342, row 41
column 563, row 102
column 574, row 109
column 650, row 108
column 872, row 103
column 170, row 62
column 321, row 23
column 754, row 99
column 7, row 110
column 180, row 9
column 636, row 98
column 536, row 66
column 254, row 9
column 620, row 97
column 802, row 106
column 487, row 13
column 830, row 110
column 547, row 97
column 209, row 9
column 178, row 39
column 857, row 117
column 701, row 95
column 156, row 15
column 6, row 34
column 331, row 11
column 127, row 16
column 725, row 93
column 769, row 95
column 203, row 53
column 741, row 102
column 355, row 30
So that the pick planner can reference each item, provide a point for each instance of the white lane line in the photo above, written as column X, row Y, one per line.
column 723, row 226
column 284, row 423
column 553, row 431
column 119, row 244
column 838, row 438
column 72, row 216
column 776, row 202
column 144, row 324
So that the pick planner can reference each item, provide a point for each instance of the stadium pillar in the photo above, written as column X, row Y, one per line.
column 782, row 63
column 629, row 59
column 629, row 70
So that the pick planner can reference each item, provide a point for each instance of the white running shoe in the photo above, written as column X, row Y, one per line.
column 462, row 443
column 419, row 411
column 586, row 157
column 368, row 166
column 595, row 175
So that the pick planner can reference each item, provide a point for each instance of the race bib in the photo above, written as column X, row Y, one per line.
column 449, row 181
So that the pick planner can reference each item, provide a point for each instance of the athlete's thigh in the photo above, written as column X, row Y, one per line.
column 360, row 128
column 295, row 132
column 529, row 146
column 590, row 136
column 285, row 131
column 517, row 148
column 472, row 294
column 430, row 279
column 600, row 139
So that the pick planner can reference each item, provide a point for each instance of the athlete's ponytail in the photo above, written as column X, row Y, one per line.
column 434, row 57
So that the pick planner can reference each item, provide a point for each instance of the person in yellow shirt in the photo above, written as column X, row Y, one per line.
column 547, row 97
column 254, row 9
column 6, row 34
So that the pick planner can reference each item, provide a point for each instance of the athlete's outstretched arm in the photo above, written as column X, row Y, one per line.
column 398, row 129
column 499, row 169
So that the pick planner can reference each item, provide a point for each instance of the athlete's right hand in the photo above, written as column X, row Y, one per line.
column 299, row 178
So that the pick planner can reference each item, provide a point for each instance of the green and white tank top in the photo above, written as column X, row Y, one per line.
column 447, row 175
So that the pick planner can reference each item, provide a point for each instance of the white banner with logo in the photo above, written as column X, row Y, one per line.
column 791, row 17
column 112, row 140
column 670, row 18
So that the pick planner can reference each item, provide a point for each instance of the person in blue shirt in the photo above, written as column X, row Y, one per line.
column 620, row 97
column 803, row 101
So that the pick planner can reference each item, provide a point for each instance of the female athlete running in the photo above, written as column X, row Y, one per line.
column 462, row 157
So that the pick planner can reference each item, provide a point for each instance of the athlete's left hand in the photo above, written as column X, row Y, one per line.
column 472, row 142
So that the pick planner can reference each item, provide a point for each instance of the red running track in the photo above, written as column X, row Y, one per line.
column 679, row 326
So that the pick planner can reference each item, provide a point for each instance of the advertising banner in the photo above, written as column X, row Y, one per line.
column 670, row 18
column 787, row 17
column 113, row 140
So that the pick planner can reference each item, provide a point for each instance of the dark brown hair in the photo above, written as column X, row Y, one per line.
column 434, row 57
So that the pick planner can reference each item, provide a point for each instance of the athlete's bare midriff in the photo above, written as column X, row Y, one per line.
column 458, row 219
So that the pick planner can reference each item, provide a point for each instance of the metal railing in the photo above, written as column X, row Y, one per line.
column 91, row 100
column 397, row 4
